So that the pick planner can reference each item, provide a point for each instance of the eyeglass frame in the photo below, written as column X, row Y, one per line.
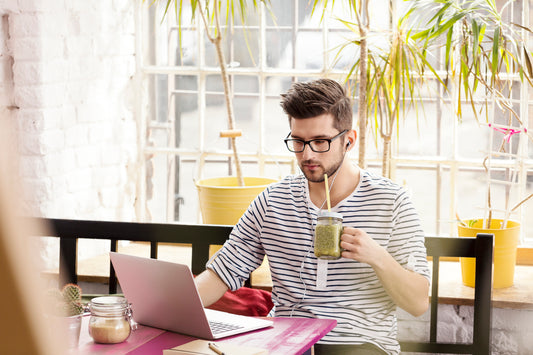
column 329, row 140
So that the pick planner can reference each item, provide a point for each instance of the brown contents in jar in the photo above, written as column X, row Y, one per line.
column 109, row 331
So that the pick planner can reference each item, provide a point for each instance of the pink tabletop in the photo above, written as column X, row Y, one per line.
column 287, row 336
column 137, row 338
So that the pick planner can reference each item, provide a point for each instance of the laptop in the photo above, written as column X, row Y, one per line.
column 163, row 295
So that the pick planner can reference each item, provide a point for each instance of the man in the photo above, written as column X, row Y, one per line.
column 383, row 263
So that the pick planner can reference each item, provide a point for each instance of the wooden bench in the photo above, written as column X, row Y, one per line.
column 69, row 231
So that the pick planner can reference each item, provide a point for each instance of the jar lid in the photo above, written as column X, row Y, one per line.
column 328, row 214
column 109, row 300
column 108, row 304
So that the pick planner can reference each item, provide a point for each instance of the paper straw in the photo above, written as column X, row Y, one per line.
column 327, row 192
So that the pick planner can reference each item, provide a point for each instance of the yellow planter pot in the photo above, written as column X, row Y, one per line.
column 222, row 201
column 505, row 245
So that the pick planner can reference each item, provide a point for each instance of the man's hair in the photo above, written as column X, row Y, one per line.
column 314, row 98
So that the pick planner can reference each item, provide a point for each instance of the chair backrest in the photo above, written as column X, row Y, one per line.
column 480, row 248
column 200, row 236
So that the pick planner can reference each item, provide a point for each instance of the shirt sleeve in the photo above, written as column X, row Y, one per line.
column 242, row 253
column 407, row 240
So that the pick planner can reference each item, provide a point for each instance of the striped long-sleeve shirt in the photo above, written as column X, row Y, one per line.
column 280, row 224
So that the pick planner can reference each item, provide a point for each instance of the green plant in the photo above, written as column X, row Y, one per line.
column 482, row 55
column 389, row 77
column 483, row 52
column 210, row 13
column 67, row 301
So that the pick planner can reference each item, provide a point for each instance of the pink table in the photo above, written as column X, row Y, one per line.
column 287, row 336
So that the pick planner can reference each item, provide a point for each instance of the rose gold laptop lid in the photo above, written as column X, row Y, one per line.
column 164, row 295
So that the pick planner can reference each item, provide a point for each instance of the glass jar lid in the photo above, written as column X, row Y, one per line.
column 328, row 214
column 109, row 306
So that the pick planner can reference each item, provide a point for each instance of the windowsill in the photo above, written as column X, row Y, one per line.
column 451, row 288
column 518, row 296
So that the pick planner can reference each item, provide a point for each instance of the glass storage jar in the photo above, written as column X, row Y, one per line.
column 328, row 233
column 111, row 319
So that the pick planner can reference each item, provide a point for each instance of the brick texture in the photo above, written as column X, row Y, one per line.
column 66, row 70
column 512, row 330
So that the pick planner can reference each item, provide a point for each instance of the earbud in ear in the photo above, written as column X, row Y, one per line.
column 348, row 144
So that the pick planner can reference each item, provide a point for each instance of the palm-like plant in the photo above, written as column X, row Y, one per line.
column 359, row 9
column 397, row 83
column 390, row 79
column 213, row 13
column 482, row 52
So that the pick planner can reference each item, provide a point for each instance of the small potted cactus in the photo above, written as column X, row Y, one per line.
column 66, row 305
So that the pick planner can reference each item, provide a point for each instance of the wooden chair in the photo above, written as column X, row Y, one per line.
column 200, row 237
column 480, row 248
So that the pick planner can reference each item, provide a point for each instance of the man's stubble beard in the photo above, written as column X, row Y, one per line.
column 332, row 170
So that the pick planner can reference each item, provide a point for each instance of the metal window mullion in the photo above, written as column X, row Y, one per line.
column 294, row 32
column 325, row 43
column 453, row 174
column 262, row 87
column 439, row 169
column 394, row 143
column 236, row 71
column 231, row 79
column 201, row 99
column 454, row 153
column 486, row 208
column 140, row 114
column 524, row 112
column 171, row 137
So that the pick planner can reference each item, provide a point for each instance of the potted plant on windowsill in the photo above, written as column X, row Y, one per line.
column 223, row 199
column 483, row 52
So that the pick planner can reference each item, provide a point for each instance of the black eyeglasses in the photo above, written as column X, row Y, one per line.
column 320, row 145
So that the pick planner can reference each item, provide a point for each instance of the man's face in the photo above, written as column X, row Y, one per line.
column 314, row 165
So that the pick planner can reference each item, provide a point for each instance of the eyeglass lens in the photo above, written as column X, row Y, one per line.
column 318, row 145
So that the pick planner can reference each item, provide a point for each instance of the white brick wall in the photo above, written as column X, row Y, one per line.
column 68, row 67
column 66, row 82
column 512, row 330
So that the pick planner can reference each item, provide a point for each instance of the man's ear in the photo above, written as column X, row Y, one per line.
column 351, row 139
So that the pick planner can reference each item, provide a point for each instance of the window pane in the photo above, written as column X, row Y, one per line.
column 421, row 187
column 187, row 121
column 283, row 13
column 309, row 56
column 279, row 49
column 471, row 193
column 276, row 128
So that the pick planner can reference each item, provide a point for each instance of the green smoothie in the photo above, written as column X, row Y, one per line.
column 327, row 241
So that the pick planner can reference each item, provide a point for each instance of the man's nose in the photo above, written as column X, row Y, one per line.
column 308, row 152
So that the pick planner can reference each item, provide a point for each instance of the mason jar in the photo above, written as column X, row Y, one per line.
column 111, row 320
column 328, row 233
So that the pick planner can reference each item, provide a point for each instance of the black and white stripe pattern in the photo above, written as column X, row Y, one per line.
column 280, row 224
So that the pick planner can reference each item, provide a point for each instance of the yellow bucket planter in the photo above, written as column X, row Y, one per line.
column 505, row 245
column 222, row 201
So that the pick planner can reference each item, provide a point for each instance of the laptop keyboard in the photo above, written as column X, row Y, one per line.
column 220, row 327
